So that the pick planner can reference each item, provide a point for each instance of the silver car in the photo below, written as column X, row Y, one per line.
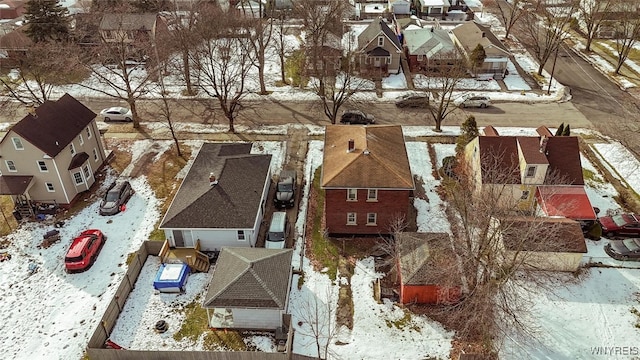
column 116, row 114
column 476, row 101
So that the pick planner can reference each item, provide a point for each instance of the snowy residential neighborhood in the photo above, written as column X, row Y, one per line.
column 424, row 179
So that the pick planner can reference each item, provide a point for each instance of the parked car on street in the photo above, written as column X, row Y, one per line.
column 286, row 189
column 84, row 250
column 116, row 197
column 476, row 101
column 627, row 249
column 621, row 224
column 414, row 100
column 356, row 117
column 116, row 114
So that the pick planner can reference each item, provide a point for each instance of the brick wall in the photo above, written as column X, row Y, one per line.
column 390, row 204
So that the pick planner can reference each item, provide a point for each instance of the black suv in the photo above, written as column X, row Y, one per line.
column 286, row 190
column 356, row 117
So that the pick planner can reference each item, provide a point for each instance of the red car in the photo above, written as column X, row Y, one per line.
column 84, row 250
column 622, row 224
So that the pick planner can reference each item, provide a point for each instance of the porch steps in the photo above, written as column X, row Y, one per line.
column 196, row 260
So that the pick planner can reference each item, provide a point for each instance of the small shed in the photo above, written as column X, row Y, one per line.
column 249, row 289
column 427, row 269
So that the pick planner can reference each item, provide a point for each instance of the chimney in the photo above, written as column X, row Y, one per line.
column 351, row 145
column 483, row 34
column 543, row 144
column 212, row 180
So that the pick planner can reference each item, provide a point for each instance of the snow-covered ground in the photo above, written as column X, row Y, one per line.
column 62, row 310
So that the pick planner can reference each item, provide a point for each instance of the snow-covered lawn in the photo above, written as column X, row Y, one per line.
column 513, row 80
column 51, row 314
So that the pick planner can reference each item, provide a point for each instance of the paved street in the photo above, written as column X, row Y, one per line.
column 270, row 112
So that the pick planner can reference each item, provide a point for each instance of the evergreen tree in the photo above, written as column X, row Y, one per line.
column 560, row 130
column 567, row 131
column 477, row 57
column 47, row 20
column 468, row 132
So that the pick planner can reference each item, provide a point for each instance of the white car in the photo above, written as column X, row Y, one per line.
column 476, row 101
column 116, row 114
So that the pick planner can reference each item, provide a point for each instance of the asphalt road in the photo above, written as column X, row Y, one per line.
column 270, row 112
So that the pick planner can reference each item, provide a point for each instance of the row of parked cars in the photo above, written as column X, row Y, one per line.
column 622, row 225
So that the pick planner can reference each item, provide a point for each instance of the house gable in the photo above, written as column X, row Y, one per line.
column 233, row 202
column 470, row 34
column 367, row 40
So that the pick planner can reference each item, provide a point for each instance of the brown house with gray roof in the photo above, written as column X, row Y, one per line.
column 471, row 34
column 221, row 201
column 379, row 49
column 51, row 155
column 249, row 288
column 366, row 178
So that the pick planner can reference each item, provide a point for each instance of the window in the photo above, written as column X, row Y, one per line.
column 72, row 149
column 352, row 194
column 77, row 177
column 17, row 143
column 525, row 195
column 80, row 139
column 88, row 133
column 42, row 166
column 420, row 57
column 95, row 154
column 11, row 165
column 372, row 195
column 531, row 171
column 371, row 218
column 241, row 235
column 50, row 187
column 351, row 218
column 381, row 41
column 87, row 172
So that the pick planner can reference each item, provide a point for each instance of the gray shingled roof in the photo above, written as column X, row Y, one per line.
column 128, row 21
column 372, row 31
column 55, row 124
column 233, row 203
column 428, row 41
column 425, row 258
column 250, row 278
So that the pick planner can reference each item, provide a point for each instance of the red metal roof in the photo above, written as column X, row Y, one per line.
column 569, row 201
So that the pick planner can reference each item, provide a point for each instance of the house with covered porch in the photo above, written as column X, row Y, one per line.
column 50, row 157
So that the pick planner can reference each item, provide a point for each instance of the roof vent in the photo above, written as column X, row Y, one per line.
column 212, row 180
column 351, row 145
column 366, row 152
column 484, row 34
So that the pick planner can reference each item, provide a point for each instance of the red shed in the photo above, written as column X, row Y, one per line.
column 427, row 269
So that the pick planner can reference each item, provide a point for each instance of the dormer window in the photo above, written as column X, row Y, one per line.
column 531, row 171
column 380, row 41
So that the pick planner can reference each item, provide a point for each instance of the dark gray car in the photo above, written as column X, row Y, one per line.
column 116, row 197
column 286, row 189
column 627, row 249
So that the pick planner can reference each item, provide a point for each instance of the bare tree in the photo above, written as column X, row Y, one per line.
column 280, row 44
column 441, row 86
column 591, row 14
column 331, row 67
column 544, row 28
column 221, row 60
column 125, row 63
column 496, row 235
column 39, row 69
column 389, row 245
column 260, row 31
column 318, row 317
column 182, row 37
column 510, row 13
column 627, row 31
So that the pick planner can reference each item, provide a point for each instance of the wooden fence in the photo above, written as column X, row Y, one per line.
column 97, row 351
